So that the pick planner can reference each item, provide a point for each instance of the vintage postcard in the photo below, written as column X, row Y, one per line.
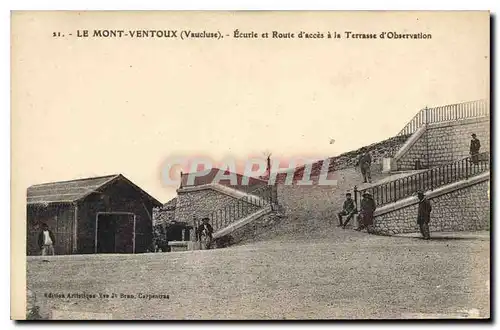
column 250, row 165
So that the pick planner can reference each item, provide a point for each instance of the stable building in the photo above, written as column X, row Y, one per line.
column 107, row 214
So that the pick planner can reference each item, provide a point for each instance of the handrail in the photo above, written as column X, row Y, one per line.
column 470, row 109
column 242, row 207
column 392, row 191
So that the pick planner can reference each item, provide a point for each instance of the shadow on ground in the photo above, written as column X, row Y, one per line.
column 441, row 238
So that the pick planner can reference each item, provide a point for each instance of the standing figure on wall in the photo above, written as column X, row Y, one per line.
column 424, row 215
column 475, row 145
column 205, row 232
column 365, row 162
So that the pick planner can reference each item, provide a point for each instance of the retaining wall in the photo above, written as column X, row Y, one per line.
column 445, row 142
column 463, row 206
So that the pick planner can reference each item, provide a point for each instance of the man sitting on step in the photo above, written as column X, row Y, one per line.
column 348, row 209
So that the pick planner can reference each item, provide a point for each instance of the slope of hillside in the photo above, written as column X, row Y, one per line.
column 378, row 151
column 311, row 211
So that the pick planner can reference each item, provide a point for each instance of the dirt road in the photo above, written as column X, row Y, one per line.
column 348, row 275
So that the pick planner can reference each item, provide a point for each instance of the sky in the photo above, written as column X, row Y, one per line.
column 92, row 107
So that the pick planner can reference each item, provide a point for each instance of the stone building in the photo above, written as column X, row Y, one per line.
column 165, row 213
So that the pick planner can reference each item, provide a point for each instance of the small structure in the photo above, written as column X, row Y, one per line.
column 107, row 214
column 179, row 236
column 163, row 216
column 171, row 235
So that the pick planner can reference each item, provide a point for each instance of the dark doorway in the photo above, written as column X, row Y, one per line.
column 115, row 233
column 174, row 232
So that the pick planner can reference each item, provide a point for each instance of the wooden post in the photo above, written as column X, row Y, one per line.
column 75, row 230
column 134, row 236
column 96, row 228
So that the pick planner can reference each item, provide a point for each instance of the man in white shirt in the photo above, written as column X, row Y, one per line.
column 46, row 241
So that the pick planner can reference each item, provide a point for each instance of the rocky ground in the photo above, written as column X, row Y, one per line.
column 340, row 275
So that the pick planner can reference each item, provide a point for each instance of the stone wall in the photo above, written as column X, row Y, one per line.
column 163, row 215
column 378, row 151
column 446, row 142
column 466, row 209
column 201, row 203
column 255, row 230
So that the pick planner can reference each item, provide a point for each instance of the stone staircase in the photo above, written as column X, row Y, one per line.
column 315, row 220
column 439, row 138
column 243, row 210
column 293, row 212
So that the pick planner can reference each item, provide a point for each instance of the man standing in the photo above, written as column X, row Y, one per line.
column 475, row 145
column 367, row 209
column 348, row 209
column 46, row 241
column 205, row 232
column 424, row 214
column 365, row 162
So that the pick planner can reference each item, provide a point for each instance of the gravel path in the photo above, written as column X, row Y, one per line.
column 347, row 275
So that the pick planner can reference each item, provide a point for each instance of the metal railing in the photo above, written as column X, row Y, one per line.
column 242, row 207
column 471, row 109
column 392, row 191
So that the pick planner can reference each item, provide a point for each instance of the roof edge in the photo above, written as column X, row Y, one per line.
column 103, row 185
column 111, row 176
column 98, row 187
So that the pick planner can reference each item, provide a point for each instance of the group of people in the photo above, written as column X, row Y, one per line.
column 365, row 214
column 368, row 207
column 47, row 239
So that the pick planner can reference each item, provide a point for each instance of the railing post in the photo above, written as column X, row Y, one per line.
column 356, row 197
column 432, row 179
column 394, row 192
column 467, row 162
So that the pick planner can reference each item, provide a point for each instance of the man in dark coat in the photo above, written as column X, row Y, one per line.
column 348, row 209
column 205, row 231
column 424, row 215
column 365, row 162
column 367, row 209
column 46, row 241
column 475, row 145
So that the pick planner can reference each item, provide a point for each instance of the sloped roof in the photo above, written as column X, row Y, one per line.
column 73, row 190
